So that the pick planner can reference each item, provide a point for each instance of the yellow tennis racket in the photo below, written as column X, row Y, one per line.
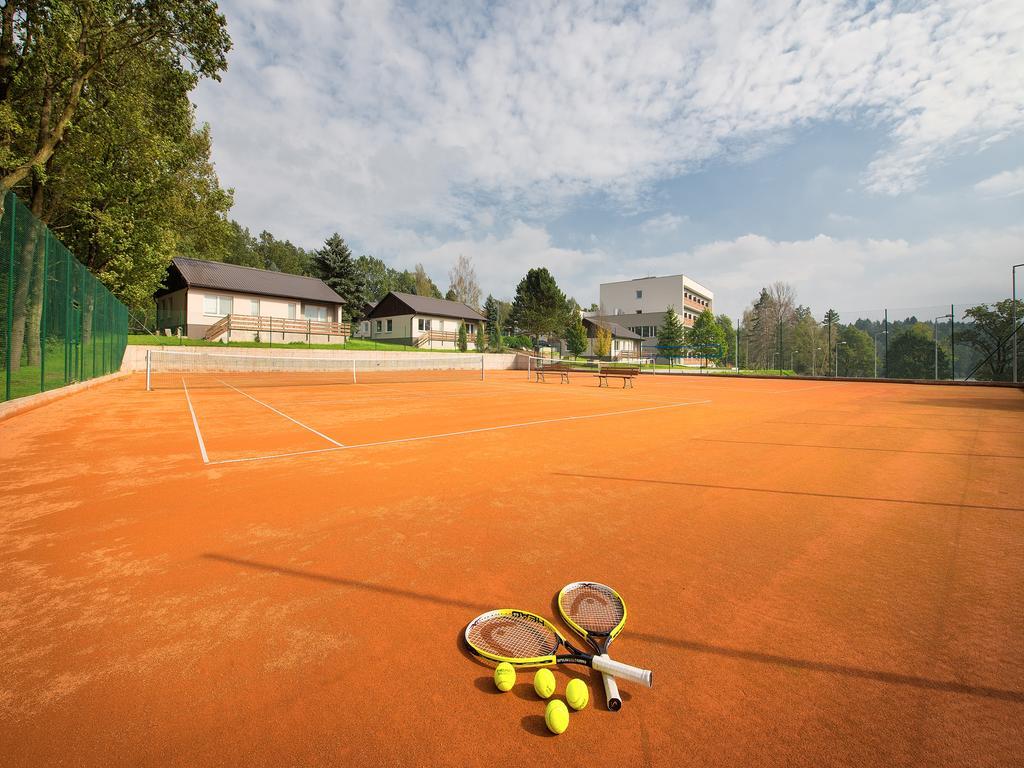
column 525, row 639
column 597, row 613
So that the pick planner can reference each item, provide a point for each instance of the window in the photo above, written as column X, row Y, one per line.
column 314, row 312
column 389, row 326
column 293, row 311
column 470, row 329
column 424, row 323
column 378, row 326
column 254, row 306
column 639, row 294
column 217, row 305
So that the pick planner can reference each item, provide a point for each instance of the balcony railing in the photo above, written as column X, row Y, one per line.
column 260, row 324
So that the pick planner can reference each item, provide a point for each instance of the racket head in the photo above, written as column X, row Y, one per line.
column 521, row 638
column 595, row 611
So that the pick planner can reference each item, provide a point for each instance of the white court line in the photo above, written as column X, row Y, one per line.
column 195, row 423
column 456, row 434
column 279, row 413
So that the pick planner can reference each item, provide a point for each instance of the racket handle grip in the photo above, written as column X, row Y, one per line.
column 611, row 692
column 624, row 671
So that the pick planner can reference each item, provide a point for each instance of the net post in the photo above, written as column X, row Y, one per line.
column 149, row 370
column 354, row 371
column 481, row 367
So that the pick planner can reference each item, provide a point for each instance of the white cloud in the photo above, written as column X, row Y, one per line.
column 1005, row 184
column 841, row 218
column 663, row 224
column 371, row 113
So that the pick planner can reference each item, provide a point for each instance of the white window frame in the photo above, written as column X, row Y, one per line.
column 293, row 311
column 254, row 307
column 423, row 323
column 389, row 325
column 639, row 294
column 380, row 324
column 219, row 301
column 320, row 312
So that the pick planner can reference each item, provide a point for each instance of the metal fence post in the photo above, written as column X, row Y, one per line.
column 11, row 204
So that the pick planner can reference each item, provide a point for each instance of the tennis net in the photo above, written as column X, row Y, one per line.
column 166, row 369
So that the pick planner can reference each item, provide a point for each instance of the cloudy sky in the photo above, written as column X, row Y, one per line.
column 870, row 154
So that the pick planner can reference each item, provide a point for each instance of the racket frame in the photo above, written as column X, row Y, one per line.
column 575, row 655
column 599, row 641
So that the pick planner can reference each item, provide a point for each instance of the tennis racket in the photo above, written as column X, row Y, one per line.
column 525, row 639
column 597, row 614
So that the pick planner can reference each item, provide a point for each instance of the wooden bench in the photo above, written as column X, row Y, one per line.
column 624, row 372
column 562, row 369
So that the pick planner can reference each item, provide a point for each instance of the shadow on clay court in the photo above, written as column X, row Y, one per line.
column 715, row 486
column 392, row 591
column 893, row 678
column 1012, row 401
column 818, row 446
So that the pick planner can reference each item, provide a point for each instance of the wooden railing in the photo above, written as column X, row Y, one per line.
column 428, row 337
column 262, row 324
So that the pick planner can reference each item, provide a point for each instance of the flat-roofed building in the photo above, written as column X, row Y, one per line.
column 640, row 304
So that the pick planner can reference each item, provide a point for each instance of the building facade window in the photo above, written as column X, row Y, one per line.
column 389, row 326
column 314, row 312
column 378, row 326
column 217, row 305
column 424, row 324
column 293, row 311
column 639, row 294
column 254, row 306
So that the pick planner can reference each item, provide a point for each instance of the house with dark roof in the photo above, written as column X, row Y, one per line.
column 422, row 321
column 212, row 300
column 625, row 343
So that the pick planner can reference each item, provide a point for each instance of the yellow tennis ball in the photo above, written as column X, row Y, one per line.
column 544, row 683
column 505, row 676
column 556, row 716
column 577, row 693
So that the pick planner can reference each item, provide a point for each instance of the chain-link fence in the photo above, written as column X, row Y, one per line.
column 58, row 323
column 956, row 341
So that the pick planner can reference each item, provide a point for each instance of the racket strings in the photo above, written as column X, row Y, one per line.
column 512, row 637
column 593, row 608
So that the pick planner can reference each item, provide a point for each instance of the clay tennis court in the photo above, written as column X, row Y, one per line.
column 819, row 573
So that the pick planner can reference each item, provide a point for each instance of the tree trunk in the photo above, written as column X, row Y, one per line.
column 33, row 341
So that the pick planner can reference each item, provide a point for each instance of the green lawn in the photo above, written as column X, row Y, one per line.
column 357, row 344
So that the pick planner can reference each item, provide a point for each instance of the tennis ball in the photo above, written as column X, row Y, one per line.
column 577, row 693
column 544, row 683
column 556, row 716
column 505, row 676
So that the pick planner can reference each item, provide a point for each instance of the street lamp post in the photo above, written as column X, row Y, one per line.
column 1013, row 309
column 814, row 360
column 874, row 340
column 838, row 343
column 935, row 338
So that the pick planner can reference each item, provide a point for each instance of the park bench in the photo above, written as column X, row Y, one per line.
column 562, row 369
column 626, row 373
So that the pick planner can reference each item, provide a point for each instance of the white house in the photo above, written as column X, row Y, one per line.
column 422, row 321
column 226, row 302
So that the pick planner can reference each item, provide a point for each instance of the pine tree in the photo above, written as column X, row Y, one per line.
column 576, row 336
column 335, row 266
column 480, row 342
column 463, row 338
column 671, row 334
column 540, row 308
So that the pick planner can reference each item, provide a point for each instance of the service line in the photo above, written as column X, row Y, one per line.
column 400, row 440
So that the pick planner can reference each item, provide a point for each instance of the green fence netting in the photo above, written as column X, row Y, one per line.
column 58, row 323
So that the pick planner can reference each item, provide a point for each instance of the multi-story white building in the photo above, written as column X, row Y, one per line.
column 640, row 305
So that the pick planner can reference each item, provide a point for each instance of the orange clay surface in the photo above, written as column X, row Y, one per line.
column 819, row 573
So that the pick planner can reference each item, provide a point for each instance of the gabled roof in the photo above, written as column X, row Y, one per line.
column 194, row 273
column 617, row 331
column 395, row 303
